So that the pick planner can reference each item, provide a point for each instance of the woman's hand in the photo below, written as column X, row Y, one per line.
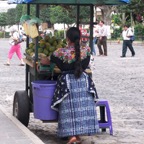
column 45, row 61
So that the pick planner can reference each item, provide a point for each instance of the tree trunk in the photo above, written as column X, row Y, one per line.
column 106, row 13
column 123, row 19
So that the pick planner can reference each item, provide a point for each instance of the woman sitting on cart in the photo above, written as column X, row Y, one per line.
column 75, row 94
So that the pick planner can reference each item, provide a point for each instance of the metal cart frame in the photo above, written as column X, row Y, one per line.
column 23, row 100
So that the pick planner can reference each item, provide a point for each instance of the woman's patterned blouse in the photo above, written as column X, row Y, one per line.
column 67, row 55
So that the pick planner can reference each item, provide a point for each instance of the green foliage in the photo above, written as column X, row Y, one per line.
column 33, row 10
column 139, row 31
column 7, row 35
column 24, row 9
column 4, row 34
column 45, row 14
column 84, row 14
column 116, row 19
column 58, row 14
column 19, row 11
column 1, row 34
column 67, row 14
column 3, row 19
column 136, row 8
column 53, row 14
column 116, row 33
column 59, row 34
column 11, row 16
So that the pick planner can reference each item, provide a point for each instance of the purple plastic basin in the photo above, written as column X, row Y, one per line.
column 43, row 92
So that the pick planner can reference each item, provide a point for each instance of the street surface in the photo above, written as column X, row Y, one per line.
column 119, row 80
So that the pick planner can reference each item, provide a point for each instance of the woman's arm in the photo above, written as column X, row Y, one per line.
column 45, row 61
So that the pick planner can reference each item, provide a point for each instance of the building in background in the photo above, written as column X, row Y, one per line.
column 4, row 6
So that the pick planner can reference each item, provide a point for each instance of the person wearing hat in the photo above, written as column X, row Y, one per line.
column 15, row 46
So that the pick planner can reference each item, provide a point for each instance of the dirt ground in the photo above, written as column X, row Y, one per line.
column 119, row 80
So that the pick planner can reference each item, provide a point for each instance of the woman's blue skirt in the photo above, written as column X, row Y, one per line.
column 77, row 111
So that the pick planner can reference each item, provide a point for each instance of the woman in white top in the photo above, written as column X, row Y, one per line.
column 15, row 46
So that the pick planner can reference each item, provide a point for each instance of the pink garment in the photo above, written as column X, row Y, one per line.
column 15, row 49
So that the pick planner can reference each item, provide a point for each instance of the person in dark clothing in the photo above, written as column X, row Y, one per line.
column 127, row 32
column 75, row 93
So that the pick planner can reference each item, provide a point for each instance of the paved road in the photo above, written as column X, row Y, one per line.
column 120, row 80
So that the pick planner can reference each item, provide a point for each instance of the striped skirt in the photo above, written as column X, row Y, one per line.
column 77, row 111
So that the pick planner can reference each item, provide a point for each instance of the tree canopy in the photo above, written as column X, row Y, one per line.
column 3, row 19
column 67, row 13
column 134, row 11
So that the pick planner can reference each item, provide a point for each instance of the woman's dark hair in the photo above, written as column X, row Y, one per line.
column 74, row 34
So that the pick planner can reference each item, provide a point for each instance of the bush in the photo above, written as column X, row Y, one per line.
column 116, row 33
column 139, row 32
column 1, row 34
column 4, row 35
column 7, row 35
column 59, row 34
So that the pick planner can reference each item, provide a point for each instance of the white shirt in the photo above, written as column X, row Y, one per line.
column 102, row 31
column 127, row 33
column 14, row 35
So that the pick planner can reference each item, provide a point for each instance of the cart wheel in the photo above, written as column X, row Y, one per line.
column 21, row 107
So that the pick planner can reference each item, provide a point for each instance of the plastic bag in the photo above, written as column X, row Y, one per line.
column 26, row 28
column 33, row 31
column 35, row 21
column 132, row 38
column 24, row 18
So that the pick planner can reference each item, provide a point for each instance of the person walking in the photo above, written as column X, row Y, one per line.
column 95, row 38
column 102, row 40
column 22, row 34
column 75, row 93
column 126, row 34
column 15, row 46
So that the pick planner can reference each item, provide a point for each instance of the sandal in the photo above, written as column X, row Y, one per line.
column 78, row 139
column 74, row 140
column 7, row 64
column 21, row 64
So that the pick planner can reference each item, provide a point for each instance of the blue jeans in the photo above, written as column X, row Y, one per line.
column 94, row 48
